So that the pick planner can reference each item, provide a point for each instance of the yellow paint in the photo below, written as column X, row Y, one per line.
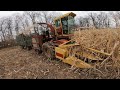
column 67, row 14
column 89, row 56
column 76, row 62
column 61, row 51
column 70, row 60
column 98, row 51
column 59, row 18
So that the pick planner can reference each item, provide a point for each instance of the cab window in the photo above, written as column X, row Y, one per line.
column 57, row 23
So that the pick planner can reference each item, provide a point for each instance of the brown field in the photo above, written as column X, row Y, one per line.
column 16, row 63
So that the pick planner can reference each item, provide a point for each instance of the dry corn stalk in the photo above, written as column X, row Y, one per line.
column 100, row 39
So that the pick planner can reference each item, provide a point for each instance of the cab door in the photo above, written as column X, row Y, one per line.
column 65, row 25
column 58, row 27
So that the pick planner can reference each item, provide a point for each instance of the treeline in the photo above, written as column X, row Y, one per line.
column 11, row 26
column 100, row 20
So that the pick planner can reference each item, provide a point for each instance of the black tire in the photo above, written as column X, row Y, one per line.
column 29, row 47
column 22, row 46
column 37, row 51
column 40, row 50
column 48, row 50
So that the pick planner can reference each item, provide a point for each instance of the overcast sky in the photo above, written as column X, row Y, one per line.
column 8, row 13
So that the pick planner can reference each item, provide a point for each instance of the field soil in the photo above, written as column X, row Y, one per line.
column 17, row 63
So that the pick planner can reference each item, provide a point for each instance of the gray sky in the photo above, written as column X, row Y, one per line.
column 8, row 13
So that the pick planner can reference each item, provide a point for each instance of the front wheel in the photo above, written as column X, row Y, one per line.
column 48, row 51
column 38, row 51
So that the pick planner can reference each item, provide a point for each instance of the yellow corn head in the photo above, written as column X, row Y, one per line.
column 79, row 56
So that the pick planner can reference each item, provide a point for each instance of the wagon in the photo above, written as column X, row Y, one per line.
column 25, row 41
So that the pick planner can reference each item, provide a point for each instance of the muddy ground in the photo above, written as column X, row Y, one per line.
column 16, row 63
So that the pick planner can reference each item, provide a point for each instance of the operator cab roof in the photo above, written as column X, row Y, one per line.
column 67, row 14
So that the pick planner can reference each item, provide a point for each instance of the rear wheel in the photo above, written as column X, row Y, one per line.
column 29, row 47
column 38, row 50
column 48, row 50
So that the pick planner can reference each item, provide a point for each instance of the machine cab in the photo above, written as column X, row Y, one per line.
column 64, row 24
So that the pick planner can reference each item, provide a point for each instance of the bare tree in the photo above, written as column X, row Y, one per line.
column 18, row 23
column 115, row 18
column 47, row 16
column 103, row 20
column 26, row 22
column 100, row 20
column 9, row 25
column 84, row 21
column 2, row 28
column 22, row 22
column 31, row 15
column 93, row 17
